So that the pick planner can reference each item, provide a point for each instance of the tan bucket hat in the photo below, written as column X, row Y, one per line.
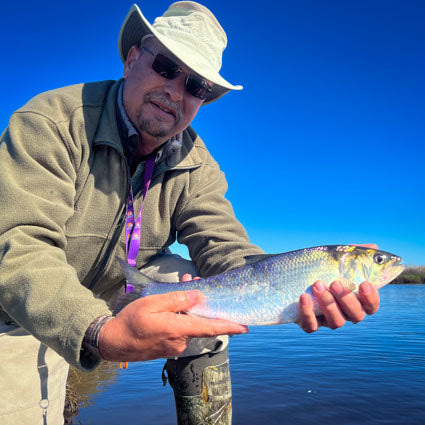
column 191, row 32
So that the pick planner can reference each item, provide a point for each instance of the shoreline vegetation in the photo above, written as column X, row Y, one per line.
column 411, row 274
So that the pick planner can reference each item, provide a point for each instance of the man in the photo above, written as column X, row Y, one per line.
column 79, row 164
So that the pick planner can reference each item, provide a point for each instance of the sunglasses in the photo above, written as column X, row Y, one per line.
column 168, row 69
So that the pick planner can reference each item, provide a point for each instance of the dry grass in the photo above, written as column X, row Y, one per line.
column 72, row 404
column 82, row 388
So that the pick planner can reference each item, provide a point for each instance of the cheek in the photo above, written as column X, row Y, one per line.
column 191, row 108
column 139, row 79
column 135, row 91
column 131, row 89
column 131, row 98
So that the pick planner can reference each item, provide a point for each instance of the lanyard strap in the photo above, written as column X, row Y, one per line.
column 132, row 226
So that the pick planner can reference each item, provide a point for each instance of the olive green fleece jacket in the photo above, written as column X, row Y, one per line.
column 64, row 184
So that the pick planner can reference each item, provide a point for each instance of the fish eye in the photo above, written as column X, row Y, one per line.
column 380, row 258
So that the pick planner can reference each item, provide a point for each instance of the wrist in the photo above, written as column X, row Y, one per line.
column 91, row 337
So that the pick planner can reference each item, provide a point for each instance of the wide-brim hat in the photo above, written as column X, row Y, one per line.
column 191, row 32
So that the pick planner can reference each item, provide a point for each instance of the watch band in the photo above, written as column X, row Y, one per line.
column 91, row 337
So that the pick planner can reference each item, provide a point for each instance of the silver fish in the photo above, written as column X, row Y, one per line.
column 267, row 291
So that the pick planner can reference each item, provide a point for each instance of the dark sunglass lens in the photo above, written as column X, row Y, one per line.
column 165, row 67
column 197, row 87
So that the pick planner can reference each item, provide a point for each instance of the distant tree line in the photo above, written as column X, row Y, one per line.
column 411, row 275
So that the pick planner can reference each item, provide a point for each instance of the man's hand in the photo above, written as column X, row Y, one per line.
column 151, row 328
column 337, row 304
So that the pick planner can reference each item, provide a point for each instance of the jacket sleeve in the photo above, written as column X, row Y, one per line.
column 38, row 288
column 207, row 225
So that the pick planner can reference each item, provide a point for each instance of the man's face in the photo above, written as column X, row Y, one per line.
column 158, row 108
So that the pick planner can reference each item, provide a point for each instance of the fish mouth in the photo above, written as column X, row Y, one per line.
column 390, row 273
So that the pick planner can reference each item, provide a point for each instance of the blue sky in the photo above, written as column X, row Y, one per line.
column 325, row 144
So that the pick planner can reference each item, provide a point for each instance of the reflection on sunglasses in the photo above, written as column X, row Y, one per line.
column 167, row 68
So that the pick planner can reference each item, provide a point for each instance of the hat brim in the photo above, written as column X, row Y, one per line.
column 136, row 26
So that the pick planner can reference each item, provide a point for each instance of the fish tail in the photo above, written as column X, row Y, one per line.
column 138, row 281
column 133, row 275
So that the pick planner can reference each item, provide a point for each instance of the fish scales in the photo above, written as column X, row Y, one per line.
column 267, row 291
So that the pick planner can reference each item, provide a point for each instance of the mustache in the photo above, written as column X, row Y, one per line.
column 166, row 101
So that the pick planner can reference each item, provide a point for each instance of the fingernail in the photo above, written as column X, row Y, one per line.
column 366, row 288
column 186, row 277
column 337, row 287
column 183, row 297
column 305, row 300
column 193, row 296
column 319, row 287
column 244, row 329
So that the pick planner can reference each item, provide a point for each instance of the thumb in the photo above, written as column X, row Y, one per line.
column 175, row 301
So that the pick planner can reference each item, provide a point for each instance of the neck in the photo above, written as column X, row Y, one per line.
column 141, row 154
column 146, row 147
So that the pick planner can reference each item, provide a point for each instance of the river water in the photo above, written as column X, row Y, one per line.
column 369, row 373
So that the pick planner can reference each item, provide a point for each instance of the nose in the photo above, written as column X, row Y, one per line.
column 175, row 88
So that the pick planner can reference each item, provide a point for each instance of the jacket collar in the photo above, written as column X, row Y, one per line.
column 107, row 130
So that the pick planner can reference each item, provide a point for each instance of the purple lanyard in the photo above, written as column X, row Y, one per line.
column 132, row 227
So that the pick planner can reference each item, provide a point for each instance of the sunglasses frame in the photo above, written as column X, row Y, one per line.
column 167, row 68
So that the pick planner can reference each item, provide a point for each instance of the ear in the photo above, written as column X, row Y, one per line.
column 132, row 56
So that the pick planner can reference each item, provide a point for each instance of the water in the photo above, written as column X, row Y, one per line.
column 369, row 373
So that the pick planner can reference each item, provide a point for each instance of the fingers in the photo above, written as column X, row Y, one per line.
column 328, row 305
column 173, row 301
column 149, row 328
column 199, row 327
column 369, row 297
column 348, row 302
column 366, row 245
column 188, row 277
column 188, row 325
column 339, row 304
column 307, row 319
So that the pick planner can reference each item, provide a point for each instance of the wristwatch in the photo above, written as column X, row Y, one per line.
column 91, row 337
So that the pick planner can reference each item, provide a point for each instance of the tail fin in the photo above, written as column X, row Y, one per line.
column 133, row 275
column 138, row 280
